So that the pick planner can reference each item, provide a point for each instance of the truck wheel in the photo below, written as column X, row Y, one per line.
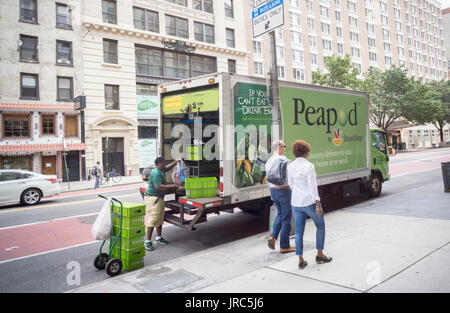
column 375, row 186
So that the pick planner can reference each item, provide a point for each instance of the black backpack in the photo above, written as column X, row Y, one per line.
column 277, row 175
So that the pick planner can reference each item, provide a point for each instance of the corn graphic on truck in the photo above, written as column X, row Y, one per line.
column 221, row 125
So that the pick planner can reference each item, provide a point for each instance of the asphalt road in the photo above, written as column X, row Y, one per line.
column 42, row 246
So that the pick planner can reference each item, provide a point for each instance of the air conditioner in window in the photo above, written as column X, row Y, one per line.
column 64, row 61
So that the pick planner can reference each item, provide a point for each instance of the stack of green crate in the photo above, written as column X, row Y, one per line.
column 133, row 232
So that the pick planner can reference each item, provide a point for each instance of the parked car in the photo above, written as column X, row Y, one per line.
column 26, row 187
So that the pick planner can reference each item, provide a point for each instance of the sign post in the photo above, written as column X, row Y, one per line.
column 267, row 17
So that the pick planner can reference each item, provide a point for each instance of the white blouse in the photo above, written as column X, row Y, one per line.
column 303, row 183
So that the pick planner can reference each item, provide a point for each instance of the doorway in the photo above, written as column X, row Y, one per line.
column 49, row 164
column 73, row 164
column 113, row 155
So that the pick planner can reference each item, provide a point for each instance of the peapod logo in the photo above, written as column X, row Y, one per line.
column 334, row 120
column 324, row 117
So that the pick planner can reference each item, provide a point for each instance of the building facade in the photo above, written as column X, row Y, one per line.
column 376, row 33
column 41, row 75
column 131, row 46
column 446, row 24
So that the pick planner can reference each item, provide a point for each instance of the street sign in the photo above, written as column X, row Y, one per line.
column 267, row 17
column 259, row 2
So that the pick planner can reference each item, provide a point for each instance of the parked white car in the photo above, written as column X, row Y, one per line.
column 26, row 187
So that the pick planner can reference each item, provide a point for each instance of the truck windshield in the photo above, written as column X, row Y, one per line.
column 378, row 141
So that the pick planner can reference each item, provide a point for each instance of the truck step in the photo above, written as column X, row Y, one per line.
column 188, row 224
column 176, row 208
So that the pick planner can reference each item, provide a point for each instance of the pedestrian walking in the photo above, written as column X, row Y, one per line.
column 154, row 201
column 306, row 201
column 98, row 175
column 276, row 171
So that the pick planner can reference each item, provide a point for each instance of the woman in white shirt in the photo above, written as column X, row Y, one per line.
column 305, row 201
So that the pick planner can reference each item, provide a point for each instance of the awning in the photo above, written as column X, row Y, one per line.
column 42, row 147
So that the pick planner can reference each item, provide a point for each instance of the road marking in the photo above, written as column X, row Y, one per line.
column 60, row 204
column 47, row 252
column 50, row 221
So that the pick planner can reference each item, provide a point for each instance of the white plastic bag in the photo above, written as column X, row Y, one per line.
column 180, row 173
column 101, row 230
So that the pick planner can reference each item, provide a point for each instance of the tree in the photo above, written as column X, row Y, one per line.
column 418, row 105
column 340, row 74
column 441, row 95
column 385, row 91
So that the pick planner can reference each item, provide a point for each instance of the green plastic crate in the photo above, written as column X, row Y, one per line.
column 203, row 187
column 129, row 222
column 129, row 243
column 129, row 254
column 129, row 265
column 127, row 233
column 130, row 209
column 193, row 153
column 131, row 258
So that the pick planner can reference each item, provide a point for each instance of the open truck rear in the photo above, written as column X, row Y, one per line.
column 221, row 125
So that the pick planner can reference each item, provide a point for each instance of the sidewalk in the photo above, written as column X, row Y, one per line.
column 371, row 253
column 86, row 185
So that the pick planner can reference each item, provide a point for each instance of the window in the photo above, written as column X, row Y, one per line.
column 48, row 122
column 63, row 16
column 70, row 126
column 160, row 63
column 257, row 49
column 110, row 51
column 202, row 66
column 10, row 162
column 229, row 8
column 29, row 86
column 63, row 52
column 16, row 125
column 149, row 62
column 203, row 5
column 340, row 48
column 230, row 38
column 177, row 65
column 146, row 20
column 176, row 26
column 109, row 11
column 297, row 56
column 259, row 68
column 179, row 2
column 232, row 66
column 281, row 73
column 299, row 74
column 28, row 11
column 112, row 97
column 65, row 89
column 204, row 32
column 326, row 44
column 147, row 132
column 28, row 49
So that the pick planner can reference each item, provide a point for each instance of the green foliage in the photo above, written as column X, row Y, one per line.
column 340, row 74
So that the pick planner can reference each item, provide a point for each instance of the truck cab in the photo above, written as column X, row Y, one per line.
column 379, row 160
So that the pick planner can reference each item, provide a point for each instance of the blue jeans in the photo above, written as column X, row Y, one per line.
column 97, row 182
column 282, row 224
column 300, row 214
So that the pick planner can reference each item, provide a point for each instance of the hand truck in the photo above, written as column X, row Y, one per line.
column 113, row 266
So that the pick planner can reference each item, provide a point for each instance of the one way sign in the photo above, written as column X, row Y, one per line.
column 267, row 17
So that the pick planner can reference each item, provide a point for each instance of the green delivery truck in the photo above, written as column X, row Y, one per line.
column 221, row 125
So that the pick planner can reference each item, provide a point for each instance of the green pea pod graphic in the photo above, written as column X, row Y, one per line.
column 145, row 143
column 145, row 105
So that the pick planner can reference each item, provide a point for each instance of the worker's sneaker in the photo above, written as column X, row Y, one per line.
column 149, row 246
column 161, row 241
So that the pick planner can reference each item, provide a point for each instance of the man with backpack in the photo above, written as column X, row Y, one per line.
column 276, row 171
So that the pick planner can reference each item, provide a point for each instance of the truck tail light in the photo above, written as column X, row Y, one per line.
column 221, row 187
column 221, row 171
